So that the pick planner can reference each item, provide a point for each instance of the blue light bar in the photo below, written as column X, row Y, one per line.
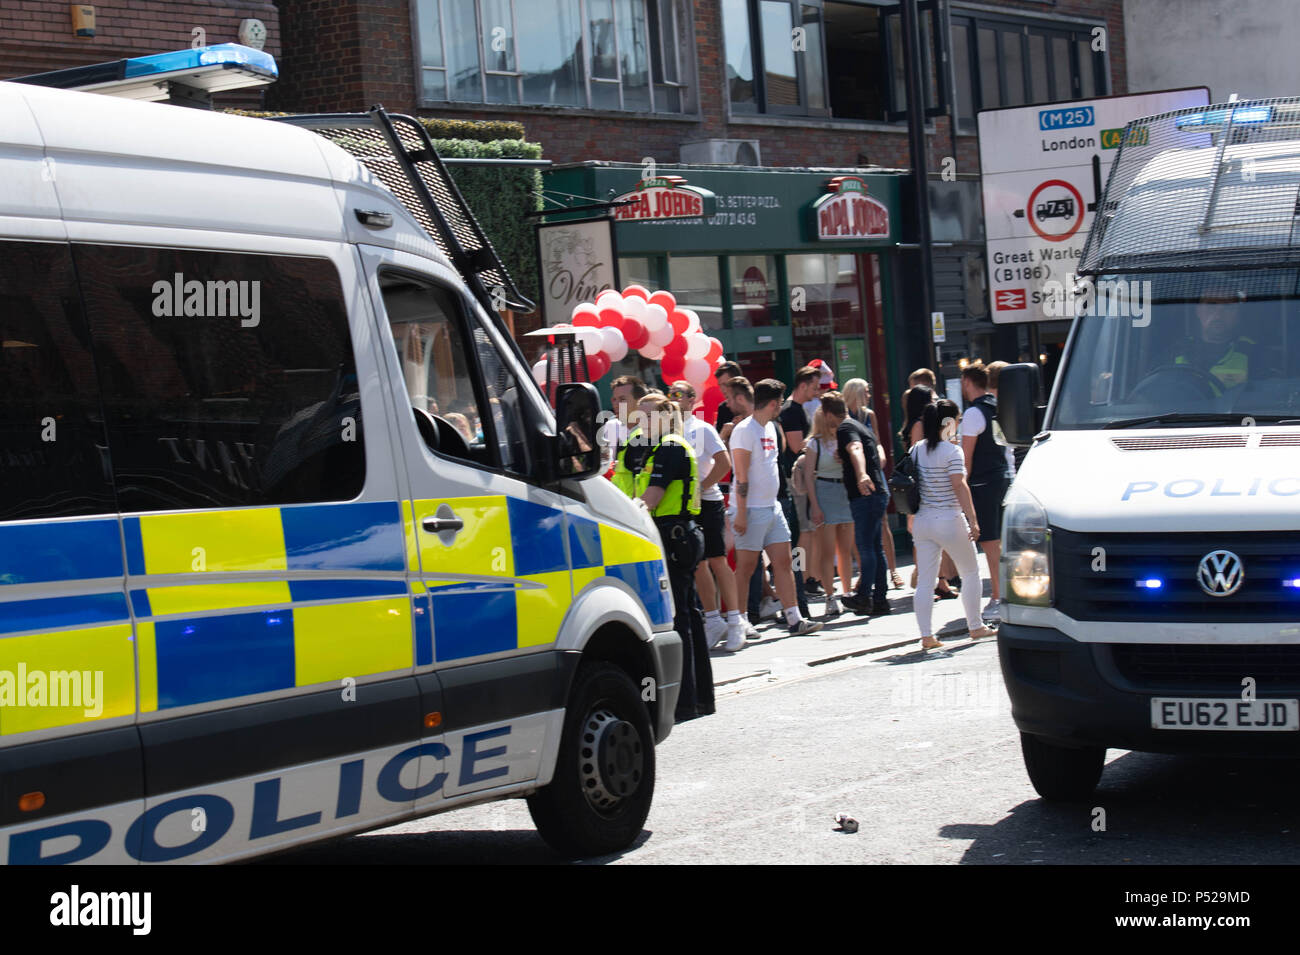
column 1219, row 117
column 1151, row 583
column 1294, row 583
column 193, row 59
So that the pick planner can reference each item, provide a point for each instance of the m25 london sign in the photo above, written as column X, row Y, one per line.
column 847, row 213
column 665, row 197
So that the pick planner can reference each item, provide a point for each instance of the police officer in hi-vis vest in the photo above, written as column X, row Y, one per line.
column 656, row 467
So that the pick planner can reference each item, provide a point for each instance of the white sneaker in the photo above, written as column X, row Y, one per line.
column 715, row 628
column 735, row 636
column 832, row 608
column 992, row 611
column 771, row 607
column 751, row 632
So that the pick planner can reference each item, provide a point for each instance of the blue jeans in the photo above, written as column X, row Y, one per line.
column 868, row 513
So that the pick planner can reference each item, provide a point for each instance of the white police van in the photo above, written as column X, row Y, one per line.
column 291, row 545
column 1151, row 541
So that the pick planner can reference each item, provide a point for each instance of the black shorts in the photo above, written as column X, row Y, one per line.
column 987, row 499
column 713, row 521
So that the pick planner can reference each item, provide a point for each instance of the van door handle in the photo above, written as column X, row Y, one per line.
column 437, row 525
column 444, row 523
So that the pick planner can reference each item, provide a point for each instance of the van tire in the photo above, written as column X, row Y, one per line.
column 604, row 714
column 1060, row 773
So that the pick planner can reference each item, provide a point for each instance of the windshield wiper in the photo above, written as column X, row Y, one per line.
column 1207, row 417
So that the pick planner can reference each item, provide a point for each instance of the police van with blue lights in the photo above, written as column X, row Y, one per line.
column 1151, row 540
column 291, row 545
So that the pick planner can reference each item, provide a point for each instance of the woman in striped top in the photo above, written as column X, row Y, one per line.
column 945, row 521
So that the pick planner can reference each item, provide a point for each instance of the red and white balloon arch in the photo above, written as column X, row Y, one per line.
column 650, row 323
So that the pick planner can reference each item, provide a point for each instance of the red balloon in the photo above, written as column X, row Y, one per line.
column 586, row 318
column 610, row 318
column 676, row 348
column 671, row 368
column 597, row 365
column 666, row 299
column 715, row 352
column 634, row 333
column 636, row 291
column 679, row 322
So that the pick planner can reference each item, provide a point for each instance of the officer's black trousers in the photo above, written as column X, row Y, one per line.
column 684, row 548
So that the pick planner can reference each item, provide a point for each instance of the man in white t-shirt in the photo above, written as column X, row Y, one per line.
column 625, row 391
column 712, row 464
column 759, row 521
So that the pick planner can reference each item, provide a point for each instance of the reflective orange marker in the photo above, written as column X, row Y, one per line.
column 30, row 802
column 432, row 720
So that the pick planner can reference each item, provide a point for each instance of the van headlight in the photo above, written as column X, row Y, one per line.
column 1026, row 551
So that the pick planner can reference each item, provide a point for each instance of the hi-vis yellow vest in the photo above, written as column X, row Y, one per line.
column 1233, row 367
column 672, row 503
column 634, row 485
column 623, row 479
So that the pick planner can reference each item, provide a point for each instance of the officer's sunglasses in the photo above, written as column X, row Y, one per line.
column 679, row 393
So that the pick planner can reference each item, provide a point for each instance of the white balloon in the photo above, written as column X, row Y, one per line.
column 609, row 299
column 651, row 351
column 696, row 371
column 697, row 346
column 610, row 339
column 692, row 320
column 619, row 350
column 539, row 373
column 635, row 307
column 655, row 317
column 662, row 335
column 590, row 338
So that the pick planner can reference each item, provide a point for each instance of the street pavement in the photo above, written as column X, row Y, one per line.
column 918, row 747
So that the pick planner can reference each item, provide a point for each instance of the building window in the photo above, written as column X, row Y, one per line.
column 1004, row 62
column 754, row 291
column 833, row 58
column 696, row 284
column 602, row 54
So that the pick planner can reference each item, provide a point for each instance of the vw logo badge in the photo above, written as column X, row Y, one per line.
column 1220, row 573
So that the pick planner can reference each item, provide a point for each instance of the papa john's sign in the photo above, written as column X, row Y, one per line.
column 847, row 213
column 665, row 197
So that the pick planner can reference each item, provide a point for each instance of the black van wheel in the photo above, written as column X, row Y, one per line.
column 604, row 778
column 1060, row 773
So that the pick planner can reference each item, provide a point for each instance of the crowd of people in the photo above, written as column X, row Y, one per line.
column 779, row 496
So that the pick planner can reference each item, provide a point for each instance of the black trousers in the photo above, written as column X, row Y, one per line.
column 684, row 548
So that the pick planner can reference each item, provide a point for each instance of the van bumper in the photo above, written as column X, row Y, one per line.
column 1071, row 694
column 666, row 646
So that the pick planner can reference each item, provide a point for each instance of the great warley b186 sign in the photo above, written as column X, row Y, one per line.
column 846, row 212
column 665, row 197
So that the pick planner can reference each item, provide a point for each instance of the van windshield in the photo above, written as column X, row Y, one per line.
column 1183, row 349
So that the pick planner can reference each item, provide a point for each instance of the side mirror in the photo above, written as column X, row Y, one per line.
column 1019, row 414
column 576, row 453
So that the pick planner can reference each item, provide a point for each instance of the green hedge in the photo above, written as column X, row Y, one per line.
column 498, row 197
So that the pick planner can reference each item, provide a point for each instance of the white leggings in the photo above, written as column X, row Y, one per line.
column 934, row 532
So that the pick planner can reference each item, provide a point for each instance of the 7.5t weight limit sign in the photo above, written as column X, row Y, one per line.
column 1055, row 210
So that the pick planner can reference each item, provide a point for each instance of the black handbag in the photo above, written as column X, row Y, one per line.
column 905, row 486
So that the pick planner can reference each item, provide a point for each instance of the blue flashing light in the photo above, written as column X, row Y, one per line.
column 1151, row 583
column 1293, row 583
column 1219, row 117
column 186, row 60
column 274, row 621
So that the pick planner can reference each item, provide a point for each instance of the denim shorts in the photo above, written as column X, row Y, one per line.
column 833, row 497
column 765, row 525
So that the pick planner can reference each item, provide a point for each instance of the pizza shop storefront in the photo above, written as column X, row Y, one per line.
column 782, row 266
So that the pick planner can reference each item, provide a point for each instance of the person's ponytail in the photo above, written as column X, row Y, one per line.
column 934, row 419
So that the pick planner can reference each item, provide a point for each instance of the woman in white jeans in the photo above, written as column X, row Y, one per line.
column 944, row 522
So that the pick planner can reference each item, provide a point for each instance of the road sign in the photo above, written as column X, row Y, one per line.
column 1043, row 170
